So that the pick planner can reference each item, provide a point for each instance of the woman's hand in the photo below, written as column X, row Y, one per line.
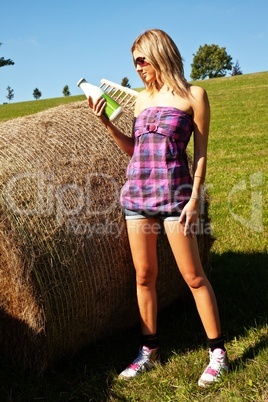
column 189, row 218
column 98, row 108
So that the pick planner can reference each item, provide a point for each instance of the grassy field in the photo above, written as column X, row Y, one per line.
column 12, row 110
column 237, row 182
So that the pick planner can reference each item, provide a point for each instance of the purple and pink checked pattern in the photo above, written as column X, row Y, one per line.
column 158, row 177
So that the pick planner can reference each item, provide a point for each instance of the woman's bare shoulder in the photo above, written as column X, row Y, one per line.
column 198, row 98
column 198, row 92
column 141, row 101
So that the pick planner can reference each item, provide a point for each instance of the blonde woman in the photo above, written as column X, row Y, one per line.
column 159, row 188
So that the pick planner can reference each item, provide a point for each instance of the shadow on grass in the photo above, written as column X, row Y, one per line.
column 240, row 282
column 249, row 353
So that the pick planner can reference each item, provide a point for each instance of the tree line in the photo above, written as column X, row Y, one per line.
column 210, row 61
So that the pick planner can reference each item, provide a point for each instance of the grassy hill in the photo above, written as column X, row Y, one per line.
column 12, row 110
column 237, row 179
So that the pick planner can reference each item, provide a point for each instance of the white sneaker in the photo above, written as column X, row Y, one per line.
column 145, row 361
column 217, row 366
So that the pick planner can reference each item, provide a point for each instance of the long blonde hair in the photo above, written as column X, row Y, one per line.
column 162, row 53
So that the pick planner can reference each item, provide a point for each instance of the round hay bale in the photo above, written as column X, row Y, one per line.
column 66, row 274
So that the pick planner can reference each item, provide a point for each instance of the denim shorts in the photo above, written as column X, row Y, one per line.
column 165, row 216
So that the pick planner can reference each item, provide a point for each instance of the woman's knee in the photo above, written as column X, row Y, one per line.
column 146, row 276
column 195, row 281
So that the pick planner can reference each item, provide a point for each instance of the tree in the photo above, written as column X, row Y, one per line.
column 236, row 69
column 125, row 83
column 5, row 62
column 10, row 93
column 37, row 94
column 66, row 91
column 210, row 61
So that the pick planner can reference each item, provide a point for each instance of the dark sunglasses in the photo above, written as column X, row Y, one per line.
column 140, row 61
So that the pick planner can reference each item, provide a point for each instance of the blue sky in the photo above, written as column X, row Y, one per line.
column 56, row 42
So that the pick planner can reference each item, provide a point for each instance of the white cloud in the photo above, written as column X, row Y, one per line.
column 20, row 42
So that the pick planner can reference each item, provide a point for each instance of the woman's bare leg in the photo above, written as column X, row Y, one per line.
column 186, row 253
column 142, row 235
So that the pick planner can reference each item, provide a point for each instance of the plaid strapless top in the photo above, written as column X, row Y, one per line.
column 158, row 177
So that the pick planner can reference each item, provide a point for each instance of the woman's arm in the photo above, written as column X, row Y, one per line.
column 125, row 142
column 201, row 119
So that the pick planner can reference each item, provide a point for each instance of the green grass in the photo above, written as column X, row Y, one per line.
column 12, row 110
column 237, row 182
